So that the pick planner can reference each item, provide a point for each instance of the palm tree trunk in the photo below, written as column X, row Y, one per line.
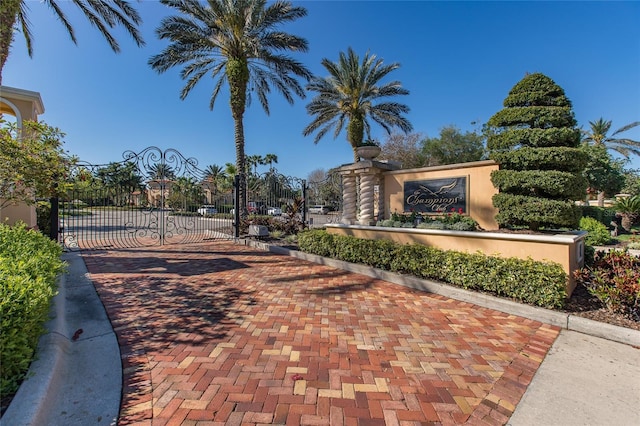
column 9, row 10
column 626, row 222
column 238, row 76
column 240, row 163
column 601, row 199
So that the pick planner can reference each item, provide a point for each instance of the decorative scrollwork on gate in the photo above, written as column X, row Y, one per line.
column 152, row 197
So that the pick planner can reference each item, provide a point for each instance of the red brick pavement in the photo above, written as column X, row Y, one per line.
column 220, row 333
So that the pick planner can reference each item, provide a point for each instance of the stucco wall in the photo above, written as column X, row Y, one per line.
column 480, row 191
column 20, row 212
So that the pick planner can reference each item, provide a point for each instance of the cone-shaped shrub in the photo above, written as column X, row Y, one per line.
column 535, row 141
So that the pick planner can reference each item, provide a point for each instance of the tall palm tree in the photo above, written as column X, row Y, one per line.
column 597, row 135
column 230, row 172
column 253, row 161
column 213, row 175
column 349, row 95
column 236, row 42
column 270, row 159
column 103, row 14
column 161, row 171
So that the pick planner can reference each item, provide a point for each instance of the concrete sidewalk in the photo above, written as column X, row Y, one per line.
column 583, row 380
column 72, row 382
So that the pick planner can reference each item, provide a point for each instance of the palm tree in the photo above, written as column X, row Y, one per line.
column 270, row 159
column 230, row 172
column 597, row 135
column 103, row 14
column 161, row 171
column 253, row 161
column 348, row 95
column 235, row 42
column 213, row 175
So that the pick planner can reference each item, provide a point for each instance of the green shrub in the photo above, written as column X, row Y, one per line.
column 599, row 234
column 518, row 210
column 43, row 217
column 29, row 266
column 537, row 283
column 614, row 279
column 602, row 214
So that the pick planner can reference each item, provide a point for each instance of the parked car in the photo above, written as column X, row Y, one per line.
column 256, row 207
column 319, row 209
column 207, row 210
column 274, row 211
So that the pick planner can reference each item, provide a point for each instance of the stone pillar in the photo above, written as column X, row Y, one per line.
column 348, row 198
column 367, row 183
column 381, row 198
column 359, row 200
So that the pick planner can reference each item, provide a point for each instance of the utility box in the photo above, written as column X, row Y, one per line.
column 258, row 231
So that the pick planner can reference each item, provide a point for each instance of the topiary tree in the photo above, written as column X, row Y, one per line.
column 535, row 141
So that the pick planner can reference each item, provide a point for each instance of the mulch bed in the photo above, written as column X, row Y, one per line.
column 585, row 305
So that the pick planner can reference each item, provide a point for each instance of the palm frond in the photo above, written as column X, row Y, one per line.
column 63, row 19
column 25, row 27
column 627, row 127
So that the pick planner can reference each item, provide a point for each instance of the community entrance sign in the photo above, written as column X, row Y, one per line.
column 436, row 196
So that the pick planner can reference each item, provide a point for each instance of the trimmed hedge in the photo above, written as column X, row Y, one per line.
column 528, row 281
column 530, row 158
column 603, row 214
column 540, row 138
column 542, row 183
column 523, row 210
column 29, row 267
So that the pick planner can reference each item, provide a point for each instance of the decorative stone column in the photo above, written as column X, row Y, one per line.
column 381, row 198
column 348, row 198
column 370, row 174
column 367, row 184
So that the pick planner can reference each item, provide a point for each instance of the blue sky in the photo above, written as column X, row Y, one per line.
column 458, row 60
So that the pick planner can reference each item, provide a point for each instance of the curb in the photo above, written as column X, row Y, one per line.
column 72, row 381
column 564, row 320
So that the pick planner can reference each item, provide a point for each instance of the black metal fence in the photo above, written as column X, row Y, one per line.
column 153, row 197
column 157, row 197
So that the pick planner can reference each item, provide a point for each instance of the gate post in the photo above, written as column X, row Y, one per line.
column 54, row 220
column 304, row 201
column 236, row 208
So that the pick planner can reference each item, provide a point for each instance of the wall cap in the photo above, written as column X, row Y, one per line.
column 558, row 238
column 482, row 163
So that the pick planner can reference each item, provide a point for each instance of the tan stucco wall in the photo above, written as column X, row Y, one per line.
column 481, row 190
column 564, row 249
column 12, row 214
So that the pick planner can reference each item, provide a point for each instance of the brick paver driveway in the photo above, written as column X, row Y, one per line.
column 219, row 333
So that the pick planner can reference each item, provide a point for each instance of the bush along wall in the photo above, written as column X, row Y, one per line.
column 535, row 141
column 527, row 281
column 29, row 267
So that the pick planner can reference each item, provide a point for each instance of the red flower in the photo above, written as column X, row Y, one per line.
column 460, row 210
column 453, row 209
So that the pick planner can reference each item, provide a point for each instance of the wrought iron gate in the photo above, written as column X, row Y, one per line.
column 153, row 197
